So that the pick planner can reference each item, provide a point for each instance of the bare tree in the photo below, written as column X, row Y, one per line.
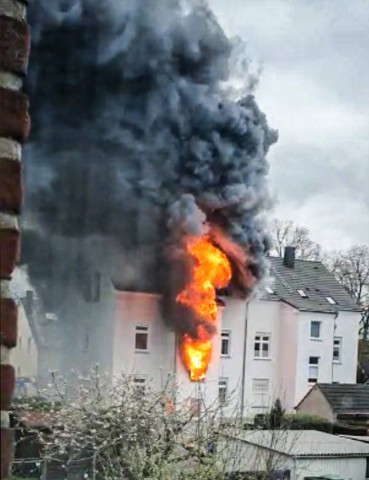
column 351, row 268
column 287, row 233
column 132, row 432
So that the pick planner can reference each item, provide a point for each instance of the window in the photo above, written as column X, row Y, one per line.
column 260, row 392
column 302, row 293
column 337, row 349
column 225, row 347
column 262, row 345
column 29, row 346
column 315, row 329
column 331, row 300
column 140, row 384
column 141, row 338
column 269, row 290
column 19, row 372
column 19, row 341
column 313, row 369
column 223, row 384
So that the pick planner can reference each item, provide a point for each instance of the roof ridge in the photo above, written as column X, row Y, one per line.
column 281, row 278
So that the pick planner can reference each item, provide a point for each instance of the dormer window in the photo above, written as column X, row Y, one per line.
column 302, row 293
column 269, row 290
column 331, row 300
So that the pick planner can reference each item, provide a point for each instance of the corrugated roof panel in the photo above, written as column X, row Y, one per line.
column 305, row 443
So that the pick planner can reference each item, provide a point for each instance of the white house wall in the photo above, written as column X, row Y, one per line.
column 263, row 317
column 85, row 330
column 274, row 318
column 233, row 320
column 307, row 347
column 288, row 348
column 158, row 363
column 347, row 327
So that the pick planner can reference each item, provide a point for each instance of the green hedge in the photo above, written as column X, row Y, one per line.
column 294, row 422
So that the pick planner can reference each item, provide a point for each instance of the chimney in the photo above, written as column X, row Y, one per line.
column 289, row 257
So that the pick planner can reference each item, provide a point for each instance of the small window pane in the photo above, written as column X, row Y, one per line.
column 141, row 338
column 222, row 391
column 331, row 300
column 313, row 369
column 265, row 349
column 337, row 347
column 261, row 345
column 225, row 343
column 315, row 330
column 313, row 360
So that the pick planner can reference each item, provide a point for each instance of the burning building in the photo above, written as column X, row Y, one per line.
column 144, row 166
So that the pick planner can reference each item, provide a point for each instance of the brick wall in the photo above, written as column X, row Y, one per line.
column 14, row 128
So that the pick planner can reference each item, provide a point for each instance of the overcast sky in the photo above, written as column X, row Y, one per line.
column 314, row 88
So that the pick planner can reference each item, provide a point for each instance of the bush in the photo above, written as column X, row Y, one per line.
column 275, row 419
column 303, row 421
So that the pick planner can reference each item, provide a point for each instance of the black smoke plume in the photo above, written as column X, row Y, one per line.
column 132, row 116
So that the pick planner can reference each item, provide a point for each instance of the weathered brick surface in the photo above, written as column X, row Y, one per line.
column 8, row 322
column 10, row 185
column 14, row 45
column 14, row 119
column 14, row 127
column 9, row 252
column 7, row 450
column 7, row 382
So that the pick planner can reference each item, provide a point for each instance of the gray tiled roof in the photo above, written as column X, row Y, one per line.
column 315, row 280
column 346, row 397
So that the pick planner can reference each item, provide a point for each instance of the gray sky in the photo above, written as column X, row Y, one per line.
column 314, row 88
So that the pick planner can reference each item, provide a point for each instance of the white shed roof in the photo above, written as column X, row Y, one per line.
column 305, row 443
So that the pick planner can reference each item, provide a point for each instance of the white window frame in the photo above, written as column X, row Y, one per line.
column 320, row 330
column 313, row 379
column 260, row 392
column 142, row 329
column 226, row 335
column 262, row 342
column 222, row 386
column 339, row 359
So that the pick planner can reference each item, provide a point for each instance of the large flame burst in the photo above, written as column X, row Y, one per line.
column 211, row 270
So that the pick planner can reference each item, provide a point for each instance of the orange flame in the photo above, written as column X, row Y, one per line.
column 211, row 270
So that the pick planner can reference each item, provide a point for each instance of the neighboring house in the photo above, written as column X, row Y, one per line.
column 24, row 357
column 299, row 455
column 301, row 329
column 38, row 343
column 346, row 403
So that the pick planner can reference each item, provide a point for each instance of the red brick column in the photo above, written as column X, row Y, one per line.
column 14, row 128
